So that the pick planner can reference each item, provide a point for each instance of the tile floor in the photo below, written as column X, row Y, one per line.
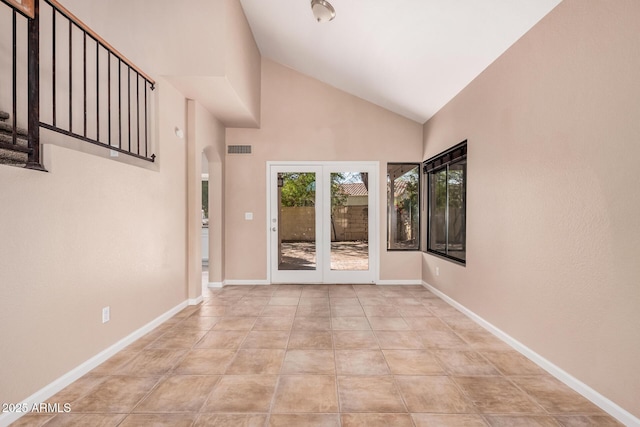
column 320, row 355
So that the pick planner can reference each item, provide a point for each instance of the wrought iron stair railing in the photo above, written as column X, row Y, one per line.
column 77, row 85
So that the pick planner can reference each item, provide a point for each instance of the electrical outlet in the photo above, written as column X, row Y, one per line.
column 437, row 271
column 106, row 314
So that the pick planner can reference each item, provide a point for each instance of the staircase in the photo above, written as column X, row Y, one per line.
column 10, row 154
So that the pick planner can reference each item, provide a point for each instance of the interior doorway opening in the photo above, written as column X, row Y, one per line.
column 204, row 230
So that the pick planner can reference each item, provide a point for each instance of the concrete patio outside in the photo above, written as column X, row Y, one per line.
column 346, row 255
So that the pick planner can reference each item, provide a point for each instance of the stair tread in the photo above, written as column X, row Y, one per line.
column 7, row 139
column 9, row 157
column 7, row 128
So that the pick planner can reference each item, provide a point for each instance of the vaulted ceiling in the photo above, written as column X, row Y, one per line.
column 408, row 56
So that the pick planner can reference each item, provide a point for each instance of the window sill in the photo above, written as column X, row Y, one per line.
column 458, row 261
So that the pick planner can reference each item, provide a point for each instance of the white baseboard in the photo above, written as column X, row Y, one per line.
column 195, row 301
column 52, row 388
column 399, row 282
column 215, row 284
column 246, row 282
column 601, row 401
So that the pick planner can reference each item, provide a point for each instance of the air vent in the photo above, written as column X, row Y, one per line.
column 239, row 149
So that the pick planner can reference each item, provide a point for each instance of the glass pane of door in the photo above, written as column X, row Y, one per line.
column 349, row 221
column 297, row 221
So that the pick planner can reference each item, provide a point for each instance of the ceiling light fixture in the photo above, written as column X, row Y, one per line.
column 322, row 10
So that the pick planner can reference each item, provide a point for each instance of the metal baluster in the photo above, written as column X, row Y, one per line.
column 129, row 103
column 97, row 91
column 84, row 82
column 146, row 142
column 14, row 119
column 138, row 109
column 109, row 93
column 70, row 76
column 119, row 103
column 53, row 68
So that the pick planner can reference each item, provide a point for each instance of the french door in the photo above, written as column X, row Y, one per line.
column 323, row 222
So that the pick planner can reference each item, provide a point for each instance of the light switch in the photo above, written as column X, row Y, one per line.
column 248, row 216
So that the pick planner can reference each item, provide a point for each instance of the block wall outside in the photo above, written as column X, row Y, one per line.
column 349, row 223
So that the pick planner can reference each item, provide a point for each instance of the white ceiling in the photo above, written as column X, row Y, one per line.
column 408, row 56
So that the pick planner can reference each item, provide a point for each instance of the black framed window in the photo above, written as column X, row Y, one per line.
column 447, row 203
column 403, row 206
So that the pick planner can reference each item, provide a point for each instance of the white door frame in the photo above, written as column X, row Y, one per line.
column 323, row 219
column 273, row 226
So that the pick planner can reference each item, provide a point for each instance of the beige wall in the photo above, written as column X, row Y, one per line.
column 242, row 62
column 90, row 233
column 204, row 48
column 216, row 218
column 205, row 137
column 553, row 206
column 304, row 119
column 159, row 34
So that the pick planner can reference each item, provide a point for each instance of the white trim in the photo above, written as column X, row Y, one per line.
column 246, row 282
column 400, row 282
column 268, row 219
column 52, row 388
column 196, row 301
column 215, row 284
column 294, row 276
column 598, row 399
